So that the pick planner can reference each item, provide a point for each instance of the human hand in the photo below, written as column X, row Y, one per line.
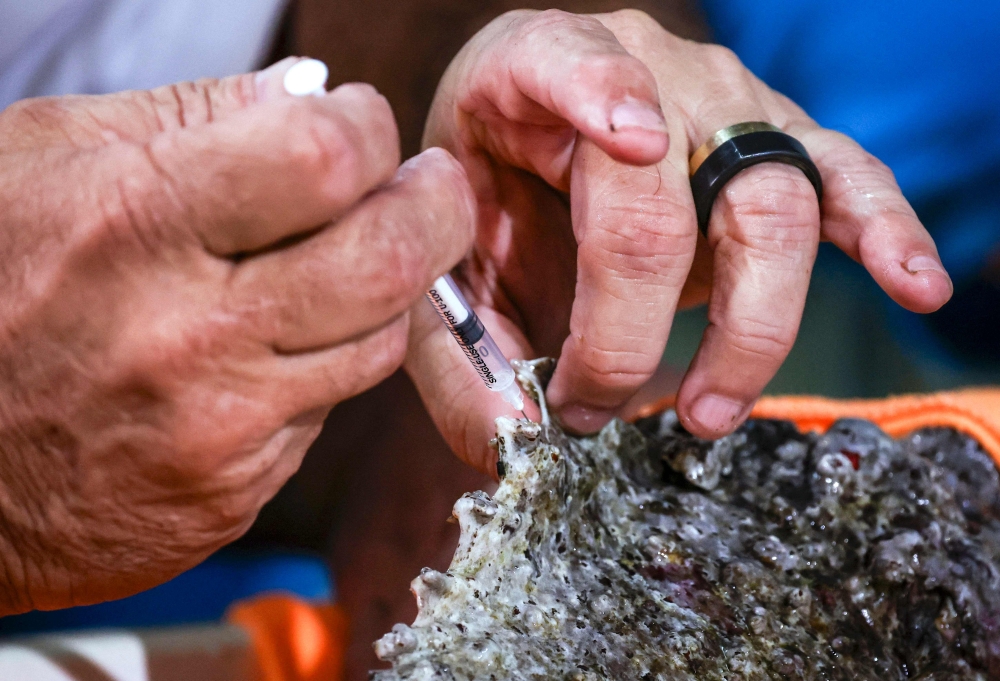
column 192, row 277
column 587, row 241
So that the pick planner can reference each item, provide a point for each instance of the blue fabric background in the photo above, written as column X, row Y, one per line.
column 917, row 83
column 201, row 594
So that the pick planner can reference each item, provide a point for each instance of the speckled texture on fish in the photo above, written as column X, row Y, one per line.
column 643, row 553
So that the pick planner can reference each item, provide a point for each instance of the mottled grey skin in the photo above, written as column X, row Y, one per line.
column 846, row 556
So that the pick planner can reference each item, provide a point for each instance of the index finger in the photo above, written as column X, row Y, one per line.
column 543, row 77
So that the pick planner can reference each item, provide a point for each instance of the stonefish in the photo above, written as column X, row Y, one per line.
column 644, row 553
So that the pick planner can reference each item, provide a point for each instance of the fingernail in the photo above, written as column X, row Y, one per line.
column 637, row 115
column 716, row 413
column 923, row 263
column 584, row 420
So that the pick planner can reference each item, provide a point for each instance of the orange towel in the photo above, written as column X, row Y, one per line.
column 973, row 411
column 293, row 639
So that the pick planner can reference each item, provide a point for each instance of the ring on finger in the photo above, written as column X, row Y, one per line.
column 736, row 148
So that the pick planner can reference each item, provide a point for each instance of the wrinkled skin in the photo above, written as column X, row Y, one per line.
column 162, row 283
column 576, row 132
column 192, row 277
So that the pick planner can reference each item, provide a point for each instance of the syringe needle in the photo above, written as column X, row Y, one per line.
column 475, row 340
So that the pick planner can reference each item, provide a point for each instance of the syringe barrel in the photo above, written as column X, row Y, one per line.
column 479, row 346
column 496, row 363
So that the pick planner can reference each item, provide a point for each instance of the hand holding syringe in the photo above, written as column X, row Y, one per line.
column 479, row 347
column 308, row 77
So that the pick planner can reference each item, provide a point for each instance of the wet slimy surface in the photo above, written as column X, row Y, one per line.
column 644, row 553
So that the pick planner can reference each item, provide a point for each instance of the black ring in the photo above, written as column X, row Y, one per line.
column 741, row 152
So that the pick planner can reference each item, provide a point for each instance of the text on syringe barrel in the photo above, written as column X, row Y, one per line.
column 464, row 324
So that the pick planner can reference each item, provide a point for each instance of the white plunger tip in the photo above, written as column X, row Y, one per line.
column 307, row 77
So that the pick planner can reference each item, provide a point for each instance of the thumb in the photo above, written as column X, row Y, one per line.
column 272, row 171
column 90, row 121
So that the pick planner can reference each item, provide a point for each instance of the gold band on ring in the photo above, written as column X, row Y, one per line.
column 723, row 136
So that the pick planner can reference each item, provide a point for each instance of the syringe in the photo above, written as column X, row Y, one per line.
column 308, row 77
column 475, row 340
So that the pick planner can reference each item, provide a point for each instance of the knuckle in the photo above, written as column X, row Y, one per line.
column 641, row 251
column 869, row 169
column 635, row 28
column 843, row 152
column 727, row 78
column 449, row 179
column 240, row 89
column 330, row 146
column 773, row 189
column 605, row 58
column 608, row 67
column 422, row 223
column 183, row 104
column 163, row 353
column 368, row 114
column 760, row 339
column 669, row 209
column 553, row 25
column 860, row 183
column 772, row 208
column 616, row 370
column 551, row 18
column 726, row 84
column 184, row 394
column 346, row 157
column 379, row 113
column 720, row 60
column 365, row 111
column 635, row 17
column 327, row 151
column 652, row 235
